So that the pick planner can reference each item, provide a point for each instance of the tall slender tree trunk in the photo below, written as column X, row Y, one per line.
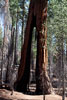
column 63, row 72
column 23, row 15
column 7, row 22
column 10, row 56
column 37, row 17
column 16, row 42
column 50, row 64
column 66, row 52
column 59, row 63
column 2, row 57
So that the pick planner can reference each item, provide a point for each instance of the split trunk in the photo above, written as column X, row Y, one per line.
column 36, row 18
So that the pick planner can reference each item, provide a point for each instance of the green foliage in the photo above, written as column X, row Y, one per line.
column 14, row 10
column 16, row 7
column 57, row 24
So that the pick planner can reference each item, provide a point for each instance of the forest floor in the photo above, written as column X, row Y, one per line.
column 6, row 95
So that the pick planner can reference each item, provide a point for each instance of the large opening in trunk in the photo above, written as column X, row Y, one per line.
column 32, row 79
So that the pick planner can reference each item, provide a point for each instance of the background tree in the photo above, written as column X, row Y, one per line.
column 57, row 33
column 0, row 37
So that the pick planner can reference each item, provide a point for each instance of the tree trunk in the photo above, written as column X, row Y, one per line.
column 59, row 62
column 63, row 71
column 66, row 52
column 16, row 42
column 37, row 17
column 2, row 57
column 23, row 14
column 7, row 33
column 10, row 56
column 50, row 65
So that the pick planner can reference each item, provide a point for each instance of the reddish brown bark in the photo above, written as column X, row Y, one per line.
column 37, row 17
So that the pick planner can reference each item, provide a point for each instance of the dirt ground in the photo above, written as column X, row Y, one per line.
column 6, row 95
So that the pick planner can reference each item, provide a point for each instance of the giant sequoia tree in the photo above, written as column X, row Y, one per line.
column 36, row 18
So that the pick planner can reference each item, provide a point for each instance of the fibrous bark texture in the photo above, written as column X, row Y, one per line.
column 37, row 17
